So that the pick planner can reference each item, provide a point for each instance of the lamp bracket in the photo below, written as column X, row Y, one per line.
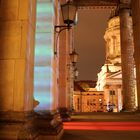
column 59, row 28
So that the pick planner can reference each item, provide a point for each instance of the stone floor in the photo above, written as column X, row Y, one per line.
column 99, row 134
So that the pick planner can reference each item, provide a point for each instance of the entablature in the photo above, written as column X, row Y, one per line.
column 96, row 4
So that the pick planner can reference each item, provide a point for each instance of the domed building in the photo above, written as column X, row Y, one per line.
column 110, row 76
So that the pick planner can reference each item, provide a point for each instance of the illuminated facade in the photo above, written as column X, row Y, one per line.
column 86, row 98
column 110, row 76
column 89, row 101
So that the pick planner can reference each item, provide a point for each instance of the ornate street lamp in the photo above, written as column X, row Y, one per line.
column 69, row 14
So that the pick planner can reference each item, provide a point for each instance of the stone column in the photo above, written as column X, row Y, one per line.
column 136, row 27
column 70, row 68
column 62, row 71
column 47, row 120
column 17, row 33
column 119, row 92
column 61, row 56
column 63, row 79
column 127, row 59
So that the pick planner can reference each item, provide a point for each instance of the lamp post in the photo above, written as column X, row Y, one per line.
column 74, row 57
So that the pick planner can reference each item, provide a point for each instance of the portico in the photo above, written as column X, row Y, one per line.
column 30, row 80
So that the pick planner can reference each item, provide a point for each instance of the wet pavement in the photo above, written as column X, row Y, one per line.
column 101, row 135
column 103, row 126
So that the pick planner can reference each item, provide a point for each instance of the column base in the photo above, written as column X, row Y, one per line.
column 50, row 137
column 30, row 126
column 16, row 125
column 129, row 110
column 48, row 125
column 65, row 114
column 137, row 110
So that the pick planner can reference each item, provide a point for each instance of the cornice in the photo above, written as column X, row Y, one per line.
column 96, row 4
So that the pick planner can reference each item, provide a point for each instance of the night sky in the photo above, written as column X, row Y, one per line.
column 89, row 42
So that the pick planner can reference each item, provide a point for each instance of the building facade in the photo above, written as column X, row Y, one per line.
column 92, row 101
column 86, row 98
column 110, row 76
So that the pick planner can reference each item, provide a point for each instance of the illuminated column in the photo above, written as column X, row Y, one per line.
column 127, row 51
column 44, row 55
column 17, row 31
column 136, row 27
column 47, row 121
column 17, row 55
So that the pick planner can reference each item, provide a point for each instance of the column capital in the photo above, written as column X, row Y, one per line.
column 125, row 1
column 124, row 6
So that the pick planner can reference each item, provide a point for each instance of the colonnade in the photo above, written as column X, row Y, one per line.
column 17, row 39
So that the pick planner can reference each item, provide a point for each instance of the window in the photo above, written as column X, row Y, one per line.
column 112, row 92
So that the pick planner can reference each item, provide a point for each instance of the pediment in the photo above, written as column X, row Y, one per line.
column 116, row 75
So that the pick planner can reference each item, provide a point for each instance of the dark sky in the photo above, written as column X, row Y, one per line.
column 89, row 42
